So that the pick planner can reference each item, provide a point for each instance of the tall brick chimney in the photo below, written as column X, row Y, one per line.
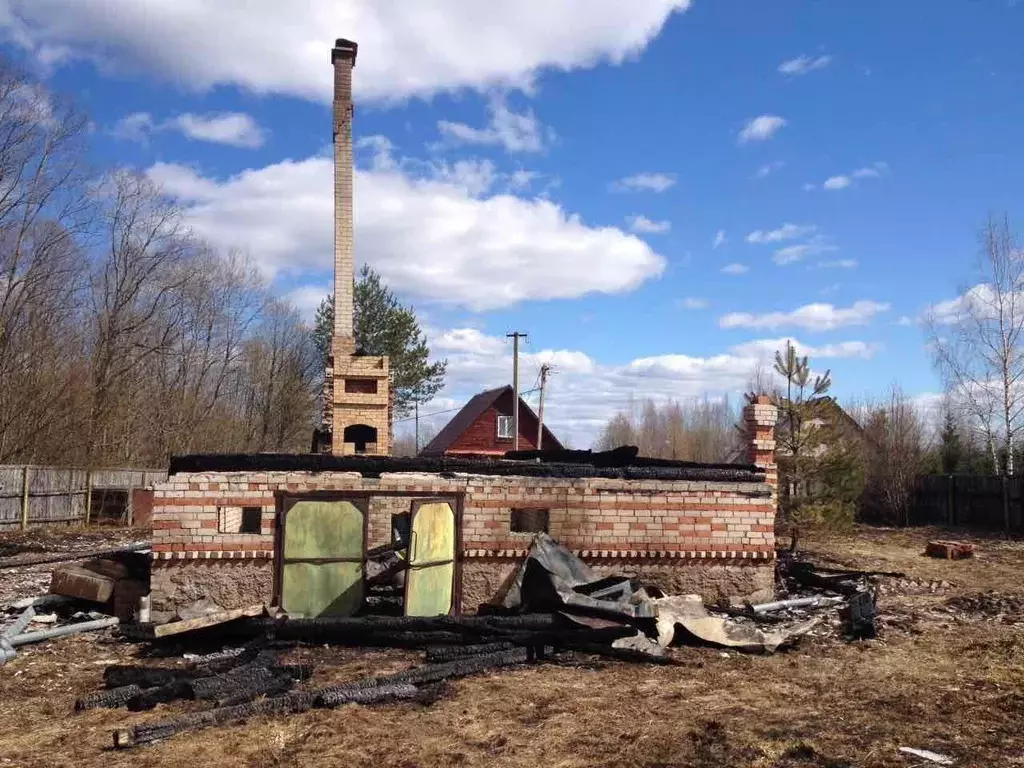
column 343, row 58
column 357, row 391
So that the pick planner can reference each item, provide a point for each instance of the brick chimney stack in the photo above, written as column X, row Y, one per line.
column 343, row 58
column 761, row 417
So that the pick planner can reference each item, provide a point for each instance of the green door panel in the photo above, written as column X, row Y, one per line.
column 322, row 589
column 430, row 580
column 323, row 529
column 322, row 568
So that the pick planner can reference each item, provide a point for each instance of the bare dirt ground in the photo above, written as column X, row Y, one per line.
column 946, row 674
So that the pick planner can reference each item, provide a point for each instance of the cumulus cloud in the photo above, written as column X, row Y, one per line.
column 585, row 392
column 812, row 317
column 764, row 349
column 432, row 232
column 644, row 182
column 405, row 49
column 515, row 131
column 785, row 232
column 761, row 128
column 643, row 225
column 735, row 269
column 719, row 239
column 234, row 129
column 836, row 182
column 802, row 65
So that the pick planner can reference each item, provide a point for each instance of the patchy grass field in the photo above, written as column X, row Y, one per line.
column 946, row 674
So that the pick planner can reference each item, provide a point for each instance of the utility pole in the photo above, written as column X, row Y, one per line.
column 416, row 441
column 540, row 409
column 515, row 336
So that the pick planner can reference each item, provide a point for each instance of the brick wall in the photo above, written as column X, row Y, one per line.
column 648, row 524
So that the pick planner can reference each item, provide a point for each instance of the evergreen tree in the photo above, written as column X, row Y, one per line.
column 951, row 450
column 820, row 471
column 384, row 327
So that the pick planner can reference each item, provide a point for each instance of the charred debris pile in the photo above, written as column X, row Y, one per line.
column 553, row 611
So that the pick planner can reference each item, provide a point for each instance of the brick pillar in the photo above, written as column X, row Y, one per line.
column 760, row 418
column 343, row 59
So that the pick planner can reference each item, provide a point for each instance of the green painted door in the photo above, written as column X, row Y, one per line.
column 322, row 559
column 430, row 580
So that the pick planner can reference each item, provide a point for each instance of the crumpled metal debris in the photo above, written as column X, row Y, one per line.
column 687, row 612
column 553, row 578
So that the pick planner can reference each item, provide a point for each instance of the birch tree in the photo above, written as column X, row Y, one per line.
column 978, row 341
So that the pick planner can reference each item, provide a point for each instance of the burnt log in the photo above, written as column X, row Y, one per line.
column 110, row 699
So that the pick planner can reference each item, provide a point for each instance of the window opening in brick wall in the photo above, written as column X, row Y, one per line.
column 530, row 520
column 240, row 519
column 505, row 427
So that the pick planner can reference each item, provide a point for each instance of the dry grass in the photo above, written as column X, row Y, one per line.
column 934, row 680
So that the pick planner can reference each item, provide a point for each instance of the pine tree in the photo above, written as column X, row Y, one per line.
column 383, row 326
column 951, row 450
column 820, row 472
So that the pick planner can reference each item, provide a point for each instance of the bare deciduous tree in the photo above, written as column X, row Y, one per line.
column 978, row 340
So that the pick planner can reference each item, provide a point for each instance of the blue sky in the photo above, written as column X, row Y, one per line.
column 656, row 192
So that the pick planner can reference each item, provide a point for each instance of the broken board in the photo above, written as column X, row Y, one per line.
column 210, row 620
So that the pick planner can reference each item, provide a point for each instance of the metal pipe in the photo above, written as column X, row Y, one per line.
column 6, row 652
column 800, row 602
column 70, row 629
column 19, row 625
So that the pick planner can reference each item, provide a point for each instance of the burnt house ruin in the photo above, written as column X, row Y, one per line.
column 298, row 531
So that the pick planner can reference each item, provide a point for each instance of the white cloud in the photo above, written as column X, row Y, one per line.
column 838, row 264
column 812, row 317
column 306, row 298
column 801, row 65
column 431, row 234
column 405, row 49
column 785, row 232
column 644, row 182
column 815, row 246
column 720, row 239
column 515, row 131
column 836, row 182
column 585, row 392
column 769, row 168
column 979, row 301
column 735, row 269
column 134, row 127
column 843, row 181
column 905, row 320
column 761, row 128
column 233, row 129
column 693, row 302
column 764, row 349
column 643, row 225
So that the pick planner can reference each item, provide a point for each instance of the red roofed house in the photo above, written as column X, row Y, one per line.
column 484, row 427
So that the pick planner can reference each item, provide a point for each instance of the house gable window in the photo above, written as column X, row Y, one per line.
column 504, row 427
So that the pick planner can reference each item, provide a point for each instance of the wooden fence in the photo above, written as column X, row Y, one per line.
column 984, row 502
column 32, row 495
